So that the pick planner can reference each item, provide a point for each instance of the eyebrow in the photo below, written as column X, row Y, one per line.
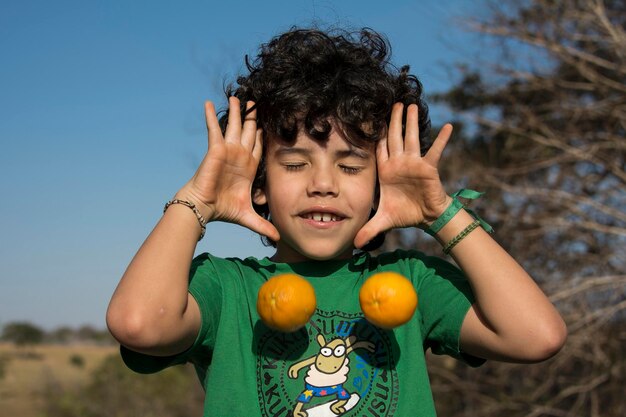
column 340, row 154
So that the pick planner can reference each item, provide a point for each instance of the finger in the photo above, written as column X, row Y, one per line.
column 212, row 124
column 248, row 133
column 412, row 132
column 257, row 150
column 366, row 234
column 369, row 231
column 434, row 153
column 258, row 224
column 382, row 151
column 233, row 130
column 394, row 138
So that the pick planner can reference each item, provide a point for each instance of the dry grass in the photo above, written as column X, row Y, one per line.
column 29, row 370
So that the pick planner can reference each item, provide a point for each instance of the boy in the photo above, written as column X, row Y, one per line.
column 320, row 152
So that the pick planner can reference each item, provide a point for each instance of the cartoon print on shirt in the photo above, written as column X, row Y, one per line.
column 328, row 370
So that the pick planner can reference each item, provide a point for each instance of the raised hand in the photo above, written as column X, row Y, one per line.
column 411, row 192
column 221, row 186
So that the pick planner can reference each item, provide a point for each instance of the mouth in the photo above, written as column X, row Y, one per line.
column 322, row 215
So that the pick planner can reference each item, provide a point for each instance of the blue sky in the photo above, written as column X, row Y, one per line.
column 101, row 122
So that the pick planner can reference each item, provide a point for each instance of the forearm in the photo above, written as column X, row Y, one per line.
column 150, row 307
column 151, row 310
column 513, row 319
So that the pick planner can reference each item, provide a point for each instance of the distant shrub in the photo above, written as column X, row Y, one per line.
column 86, row 333
column 77, row 361
column 4, row 360
column 22, row 333
column 63, row 334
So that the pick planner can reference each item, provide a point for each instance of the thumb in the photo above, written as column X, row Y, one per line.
column 258, row 224
column 369, row 230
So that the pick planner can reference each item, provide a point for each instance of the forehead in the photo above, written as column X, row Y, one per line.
column 335, row 144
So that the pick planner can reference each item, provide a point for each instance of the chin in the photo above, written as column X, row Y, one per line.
column 328, row 255
column 313, row 252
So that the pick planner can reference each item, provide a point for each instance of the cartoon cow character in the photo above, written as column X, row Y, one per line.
column 328, row 370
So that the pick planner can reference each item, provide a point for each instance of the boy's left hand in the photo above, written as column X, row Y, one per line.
column 411, row 192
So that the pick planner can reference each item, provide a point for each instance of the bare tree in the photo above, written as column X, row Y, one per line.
column 545, row 118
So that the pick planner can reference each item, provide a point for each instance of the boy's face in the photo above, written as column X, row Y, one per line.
column 319, row 195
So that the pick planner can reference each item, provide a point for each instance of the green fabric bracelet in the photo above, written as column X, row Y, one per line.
column 447, row 215
column 454, row 208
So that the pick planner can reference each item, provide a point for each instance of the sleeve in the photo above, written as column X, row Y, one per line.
column 205, row 288
column 444, row 298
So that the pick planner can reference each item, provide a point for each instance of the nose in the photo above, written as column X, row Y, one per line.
column 323, row 182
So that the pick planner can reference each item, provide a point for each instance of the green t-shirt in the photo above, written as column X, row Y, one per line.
column 244, row 366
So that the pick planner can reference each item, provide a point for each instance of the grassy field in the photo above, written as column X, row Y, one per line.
column 30, row 371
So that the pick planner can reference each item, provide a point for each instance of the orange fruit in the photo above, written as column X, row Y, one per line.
column 388, row 299
column 286, row 302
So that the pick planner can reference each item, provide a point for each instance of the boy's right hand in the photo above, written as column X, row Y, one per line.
column 221, row 187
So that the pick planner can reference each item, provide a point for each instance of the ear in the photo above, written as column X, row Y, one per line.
column 258, row 197
column 320, row 340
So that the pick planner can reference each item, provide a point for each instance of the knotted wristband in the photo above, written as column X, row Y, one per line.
column 451, row 211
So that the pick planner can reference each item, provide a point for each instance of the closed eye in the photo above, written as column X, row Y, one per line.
column 293, row 166
column 350, row 169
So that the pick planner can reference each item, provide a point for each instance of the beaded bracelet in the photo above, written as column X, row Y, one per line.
column 451, row 244
column 195, row 211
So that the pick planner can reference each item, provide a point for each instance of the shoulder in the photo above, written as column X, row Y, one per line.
column 429, row 274
column 212, row 278
column 412, row 262
column 206, row 263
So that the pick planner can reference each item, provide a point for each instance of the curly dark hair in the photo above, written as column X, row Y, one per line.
column 304, row 78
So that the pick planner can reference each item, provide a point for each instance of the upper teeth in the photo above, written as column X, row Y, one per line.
column 323, row 217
